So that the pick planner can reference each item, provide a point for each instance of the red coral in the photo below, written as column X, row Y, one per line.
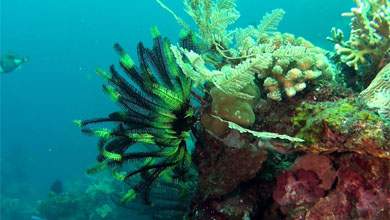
column 321, row 165
column 370, row 202
column 350, row 181
column 297, row 188
column 365, row 181
column 335, row 206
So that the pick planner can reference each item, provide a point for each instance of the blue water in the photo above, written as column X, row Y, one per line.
column 66, row 41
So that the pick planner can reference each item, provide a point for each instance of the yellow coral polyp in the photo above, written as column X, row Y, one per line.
column 290, row 91
column 300, row 86
column 270, row 84
column 321, row 62
column 292, row 69
column 275, row 95
column 289, row 38
column 310, row 74
column 305, row 63
column 277, row 70
column 294, row 74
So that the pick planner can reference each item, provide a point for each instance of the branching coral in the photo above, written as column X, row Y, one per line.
column 295, row 62
column 370, row 35
column 281, row 62
column 156, row 111
column 284, row 64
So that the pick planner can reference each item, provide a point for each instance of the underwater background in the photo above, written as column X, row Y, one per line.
column 65, row 41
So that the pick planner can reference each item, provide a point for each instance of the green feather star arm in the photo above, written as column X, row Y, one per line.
column 156, row 110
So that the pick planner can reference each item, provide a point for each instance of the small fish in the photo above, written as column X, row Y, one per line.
column 10, row 62
column 56, row 187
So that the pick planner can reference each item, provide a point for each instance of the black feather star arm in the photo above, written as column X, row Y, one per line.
column 171, row 199
column 156, row 110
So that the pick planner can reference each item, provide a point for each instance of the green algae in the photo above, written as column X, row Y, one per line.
column 339, row 116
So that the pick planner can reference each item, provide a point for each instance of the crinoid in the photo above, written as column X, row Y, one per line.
column 156, row 111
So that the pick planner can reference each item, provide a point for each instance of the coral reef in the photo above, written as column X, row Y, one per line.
column 98, row 200
column 360, row 192
column 320, row 165
column 93, row 203
column 276, row 135
column 283, row 64
column 14, row 208
column 360, row 58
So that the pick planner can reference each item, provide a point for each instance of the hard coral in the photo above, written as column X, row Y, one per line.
column 377, row 95
column 284, row 64
column 231, row 108
column 290, row 72
column 370, row 35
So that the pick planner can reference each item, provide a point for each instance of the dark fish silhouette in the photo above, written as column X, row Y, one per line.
column 11, row 62
column 56, row 187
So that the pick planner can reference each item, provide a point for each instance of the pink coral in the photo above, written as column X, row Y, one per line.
column 362, row 191
column 321, row 165
column 297, row 188
column 335, row 206
column 370, row 202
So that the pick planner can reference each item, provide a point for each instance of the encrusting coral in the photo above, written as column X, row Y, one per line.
column 360, row 192
column 370, row 34
column 343, row 126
